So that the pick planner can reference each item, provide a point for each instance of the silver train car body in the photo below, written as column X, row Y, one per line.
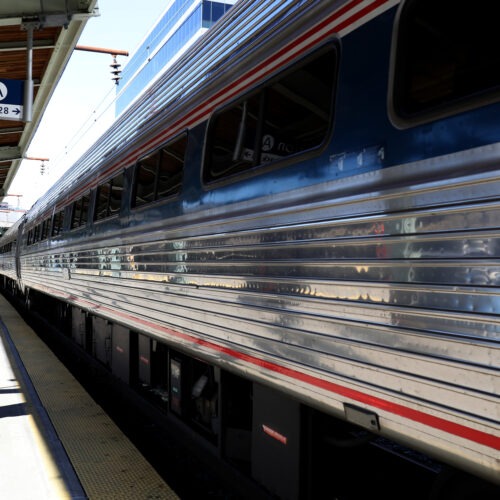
column 358, row 274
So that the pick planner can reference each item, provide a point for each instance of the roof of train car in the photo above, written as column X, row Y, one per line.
column 56, row 27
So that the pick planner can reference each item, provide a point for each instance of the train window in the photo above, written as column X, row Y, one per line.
column 109, row 196
column 115, row 194
column 145, row 180
column 443, row 64
column 291, row 115
column 159, row 175
column 42, row 231
column 45, row 229
column 102, row 201
column 57, row 223
column 84, row 210
column 80, row 212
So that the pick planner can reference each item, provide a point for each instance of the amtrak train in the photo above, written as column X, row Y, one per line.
column 292, row 241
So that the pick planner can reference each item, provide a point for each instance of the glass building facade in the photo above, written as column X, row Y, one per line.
column 180, row 26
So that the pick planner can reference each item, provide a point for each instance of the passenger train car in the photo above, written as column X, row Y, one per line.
column 292, row 242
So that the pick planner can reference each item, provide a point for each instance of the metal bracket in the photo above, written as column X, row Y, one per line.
column 362, row 417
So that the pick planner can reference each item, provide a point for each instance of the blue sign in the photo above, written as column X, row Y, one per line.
column 11, row 99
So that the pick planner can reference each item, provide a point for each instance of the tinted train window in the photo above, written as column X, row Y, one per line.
column 446, row 58
column 80, row 212
column 109, row 197
column 8, row 247
column 159, row 175
column 291, row 115
column 57, row 224
column 45, row 228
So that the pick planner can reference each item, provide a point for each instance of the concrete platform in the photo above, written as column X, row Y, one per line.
column 55, row 441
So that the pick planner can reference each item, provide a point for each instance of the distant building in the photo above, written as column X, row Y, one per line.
column 182, row 23
column 8, row 216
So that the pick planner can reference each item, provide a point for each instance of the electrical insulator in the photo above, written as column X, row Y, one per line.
column 42, row 168
column 115, row 71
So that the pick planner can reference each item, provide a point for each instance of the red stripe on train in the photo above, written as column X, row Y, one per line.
column 269, row 66
column 454, row 428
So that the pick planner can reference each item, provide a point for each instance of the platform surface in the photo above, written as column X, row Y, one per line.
column 55, row 441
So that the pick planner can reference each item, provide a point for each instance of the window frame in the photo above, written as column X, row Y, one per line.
column 456, row 105
column 109, row 183
column 57, row 225
column 45, row 228
column 259, row 91
column 79, row 201
column 133, row 202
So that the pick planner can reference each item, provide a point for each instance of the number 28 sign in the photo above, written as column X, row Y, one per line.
column 11, row 99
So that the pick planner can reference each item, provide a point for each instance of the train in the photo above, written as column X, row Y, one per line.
column 291, row 242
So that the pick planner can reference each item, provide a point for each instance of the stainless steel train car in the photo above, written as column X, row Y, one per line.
column 297, row 231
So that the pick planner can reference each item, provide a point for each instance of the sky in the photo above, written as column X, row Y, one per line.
column 82, row 105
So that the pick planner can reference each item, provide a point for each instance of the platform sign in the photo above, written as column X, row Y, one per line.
column 11, row 99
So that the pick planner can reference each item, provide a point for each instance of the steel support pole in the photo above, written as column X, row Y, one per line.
column 28, row 84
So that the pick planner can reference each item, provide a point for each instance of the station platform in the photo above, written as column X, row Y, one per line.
column 55, row 441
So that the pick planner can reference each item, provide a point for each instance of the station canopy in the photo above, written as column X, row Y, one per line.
column 37, row 38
